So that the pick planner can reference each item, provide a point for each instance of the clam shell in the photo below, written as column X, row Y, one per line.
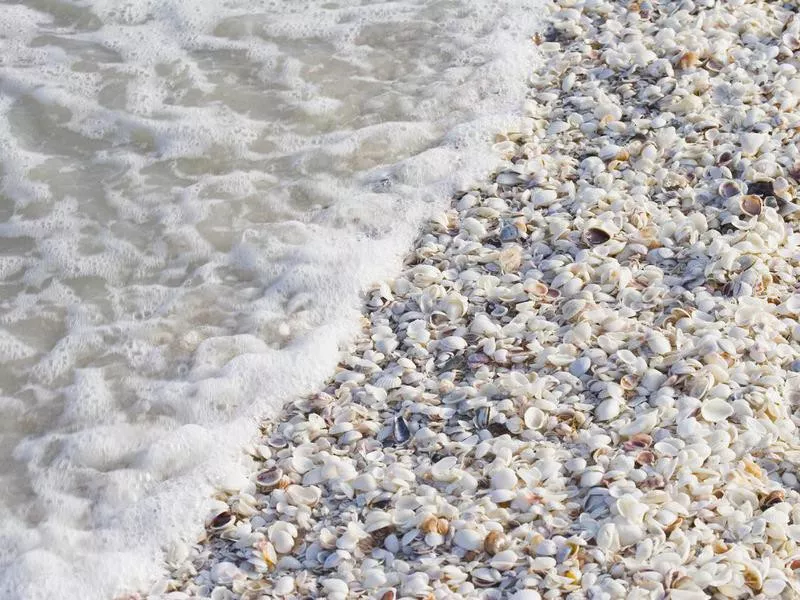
column 714, row 410
column 751, row 205
column 594, row 236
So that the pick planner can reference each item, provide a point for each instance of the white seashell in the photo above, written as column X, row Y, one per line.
column 607, row 538
column 364, row 483
column 534, row 418
column 773, row 587
column 425, row 275
column 373, row 578
column 454, row 305
column 608, row 409
column 642, row 424
column 468, row 539
column 591, row 478
column 444, row 469
column 658, row 343
column 501, row 496
column 335, row 586
column 303, row 495
column 751, row 142
column 418, row 331
column 504, row 479
column 452, row 343
column 482, row 324
column 503, row 561
column 572, row 308
column 282, row 541
column 580, row 366
column 631, row 509
column 714, row 410
column 284, row 585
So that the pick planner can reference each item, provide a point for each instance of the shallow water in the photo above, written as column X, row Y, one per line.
column 192, row 198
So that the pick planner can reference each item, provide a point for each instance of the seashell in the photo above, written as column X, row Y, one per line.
column 729, row 189
column 485, row 577
column 750, row 142
column 751, row 205
column 443, row 470
column 335, row 586
column 303, row 495
column 428, row 524
column 594, row 236
column 483, row 417
column 688, row 59
column 580, row 366
column 637, row 442
column 504, row 560
column 400, row 430
column 724, row 158
column 658, row 343
column 468, row 539
column 504, row 479
column 572, row 308
column 509, row 233
column 269, row 478
column 608, row 409
column 629, row 382
column 451, row 343
column 714, row 410
column 761, row 188
column 774, row 497
column 510, row 259
column 454, row 305
column 534, row 418
column 222, row 521
column 495, row 541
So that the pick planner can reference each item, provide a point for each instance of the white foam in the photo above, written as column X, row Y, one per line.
column 197, row 196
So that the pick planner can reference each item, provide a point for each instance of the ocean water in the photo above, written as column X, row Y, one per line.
column 193, row 194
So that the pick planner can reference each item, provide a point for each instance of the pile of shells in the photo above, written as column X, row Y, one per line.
column 585, row 383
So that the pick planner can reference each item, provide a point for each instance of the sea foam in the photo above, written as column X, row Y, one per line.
column 194, row 196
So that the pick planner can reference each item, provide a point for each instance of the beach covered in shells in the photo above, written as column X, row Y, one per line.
column 585, row 382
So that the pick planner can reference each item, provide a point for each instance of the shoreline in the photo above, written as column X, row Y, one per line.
column 583, row 381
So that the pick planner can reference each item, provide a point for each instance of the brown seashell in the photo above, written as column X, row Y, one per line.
column 751, row 205
column 774, row 497
column 595, row 236
column 645, row 458
column 442, row 526
column 496, row 541
column 688, row 59
column 388, row 595
column 429, row 524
